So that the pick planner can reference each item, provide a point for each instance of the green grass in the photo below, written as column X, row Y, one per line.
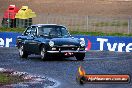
column 20, row 30
column 6, row 78
column 2, row 29
column 99, row 33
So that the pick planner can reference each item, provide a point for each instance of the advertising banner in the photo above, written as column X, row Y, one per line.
column 8, row 39
column 108, row 43
column 101, row 43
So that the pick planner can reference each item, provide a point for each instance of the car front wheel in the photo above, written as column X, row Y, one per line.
column 80, row 56
column 22, row 53
column 43, row 53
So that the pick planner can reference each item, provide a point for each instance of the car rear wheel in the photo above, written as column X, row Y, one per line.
column 43, row 53
column 80, row 56
column 22, row 53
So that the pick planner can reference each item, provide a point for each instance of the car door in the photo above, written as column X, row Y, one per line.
column 33, row 40
column 25, row 39
column 34, row 43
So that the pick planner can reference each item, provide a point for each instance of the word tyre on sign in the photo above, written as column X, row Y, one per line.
column 114, row 46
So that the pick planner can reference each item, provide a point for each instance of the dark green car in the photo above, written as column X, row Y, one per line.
column 50, row 39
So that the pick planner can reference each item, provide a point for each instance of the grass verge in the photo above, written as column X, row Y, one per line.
column 6, row 78
column 99, row 34
column 20, row 30
column 2, row 29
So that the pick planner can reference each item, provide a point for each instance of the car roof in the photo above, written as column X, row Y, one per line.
column 46, row 25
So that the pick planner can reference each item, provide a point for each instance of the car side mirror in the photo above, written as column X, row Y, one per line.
column 32, row 35
column 22, row 34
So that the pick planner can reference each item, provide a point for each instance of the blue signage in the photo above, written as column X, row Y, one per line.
column 108, row 43
column 8, row 39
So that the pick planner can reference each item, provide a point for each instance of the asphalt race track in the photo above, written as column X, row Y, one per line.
column 64, row 70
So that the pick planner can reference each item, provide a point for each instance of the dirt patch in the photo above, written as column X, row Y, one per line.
column 77, row 7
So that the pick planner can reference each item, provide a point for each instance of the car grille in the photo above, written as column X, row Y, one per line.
column 68, row 48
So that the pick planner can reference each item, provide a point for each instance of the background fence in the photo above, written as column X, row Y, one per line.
column 88, row 23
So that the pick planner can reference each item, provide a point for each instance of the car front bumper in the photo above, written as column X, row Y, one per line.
column 67, row 51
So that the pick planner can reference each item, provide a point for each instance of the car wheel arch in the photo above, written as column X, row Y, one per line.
column 20, row 44
column 41, row 45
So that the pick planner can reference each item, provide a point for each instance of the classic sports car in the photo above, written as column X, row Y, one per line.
column 49, row 39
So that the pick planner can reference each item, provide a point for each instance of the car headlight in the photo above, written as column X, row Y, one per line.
column 51, row 43
column 82, row 43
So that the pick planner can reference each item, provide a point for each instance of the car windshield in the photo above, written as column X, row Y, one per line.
column 53, row 31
